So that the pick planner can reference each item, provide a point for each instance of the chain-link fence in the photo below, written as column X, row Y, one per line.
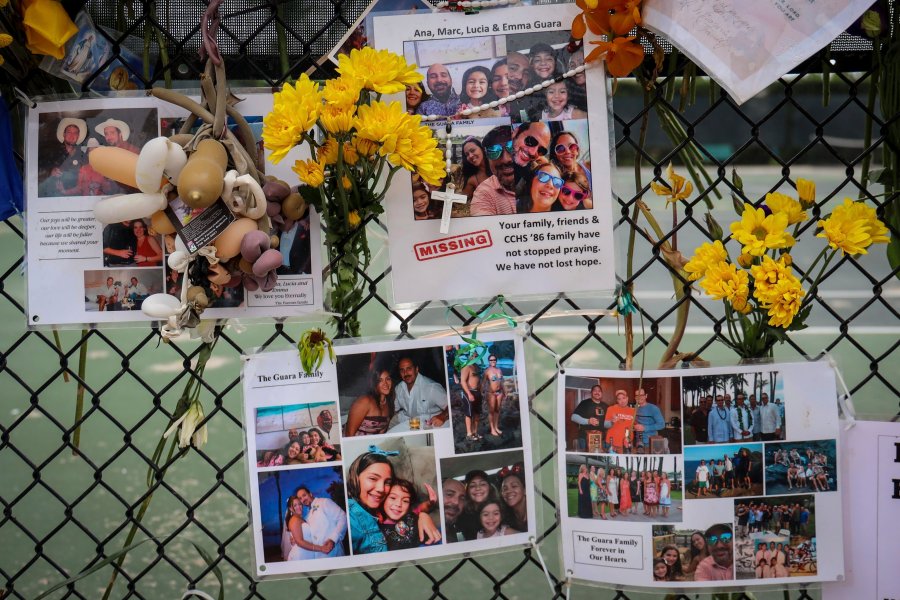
column 74, row 484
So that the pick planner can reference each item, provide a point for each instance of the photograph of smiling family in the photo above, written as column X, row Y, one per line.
column 392, row 499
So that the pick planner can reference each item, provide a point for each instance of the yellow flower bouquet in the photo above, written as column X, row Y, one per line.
column 763, row 298
column 357, row 143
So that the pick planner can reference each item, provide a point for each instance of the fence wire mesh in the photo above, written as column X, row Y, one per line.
column 74, row 487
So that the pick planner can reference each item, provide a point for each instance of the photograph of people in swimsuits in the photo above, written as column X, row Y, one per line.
column 484, row 397
column 394, row 391
column 529, row 155
column 642, row 489
column 297, row 434
column 623, row 415
column 485, row 496
column 303, row 514
column 801, row 467
column 701, row 553
column 120, row 289
column 392, row 493
column 723, row 471
column 775, row 537
column 65, row 140
column 734, row 407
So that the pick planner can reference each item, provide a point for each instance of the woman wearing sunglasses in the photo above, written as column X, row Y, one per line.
column 542, row 187
column 564, row 151
column 575, row 193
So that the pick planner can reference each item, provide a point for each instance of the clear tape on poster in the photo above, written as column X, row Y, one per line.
column 807, row 421
column 276, row 394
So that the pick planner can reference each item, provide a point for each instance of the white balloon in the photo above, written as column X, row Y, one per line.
column 161, row 306
column 128, row 207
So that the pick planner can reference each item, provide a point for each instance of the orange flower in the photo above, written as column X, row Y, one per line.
column 595, row 16
column 622, row 55
column 625, row 17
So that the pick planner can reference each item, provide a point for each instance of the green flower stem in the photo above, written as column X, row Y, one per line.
column 870, row 110
column 387, row 184
column 815, row 285
column 79, row 394
column 58, row 342
column 339, row 184
column 281, row 36
column 690, row 155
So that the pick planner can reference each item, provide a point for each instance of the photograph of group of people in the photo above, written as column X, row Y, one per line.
column 735, row 407
column 119, row 289
column 724, row 471
column 693, row 554
column 775, row 537
column 484, row 397
column 296, row 434
column 797, row 467
column 526, row 156
column 624, row 488
column 66, row 139
column 623, row 415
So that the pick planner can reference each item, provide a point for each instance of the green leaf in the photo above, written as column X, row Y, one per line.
column 215, row 568
column 893, row 253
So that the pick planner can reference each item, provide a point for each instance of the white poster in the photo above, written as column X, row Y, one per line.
column 532, row 213
column 390, row 454
column 871, row 469
column 746, row 46
column 82, row 271
column 701, row 477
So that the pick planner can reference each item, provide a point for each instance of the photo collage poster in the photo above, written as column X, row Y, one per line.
column 82, row 271
column 532, row 214
column 701, row 477
column 395, row 452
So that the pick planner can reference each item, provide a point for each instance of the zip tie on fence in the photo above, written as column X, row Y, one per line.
column 567, row 584
column 24, row 97
column 537, row 551
column 199, row 593
column 845, row 400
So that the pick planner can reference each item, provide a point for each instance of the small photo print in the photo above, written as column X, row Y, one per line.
column 737, row 407
column 775, row 537
column 65, row 139
column 484, row 495
column 723, row 471
column 120, row 289
column 131, row 244
column 801, row 467
column 642, row 489
column 394, row 391
column 297, row 434
column 392, row 493
column 485, row 397
column 693, row 554
column 303, row 514
column 623, row 415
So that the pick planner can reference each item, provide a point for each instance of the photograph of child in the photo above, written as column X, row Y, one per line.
column 801, row 467
column 120, row 289
column 396, row 391
column 723, row 471
column 131, row 243
column 391, row 495
column 623, row 415
column 484, row 496
column 644, row 489
column 779, row 538
column 693, row 554
column 484, row 397
column 66, row 139
column 737, row 407
column 303, row 514
column 296, row 434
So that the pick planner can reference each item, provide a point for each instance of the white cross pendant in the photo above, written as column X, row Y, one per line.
column 449, row 198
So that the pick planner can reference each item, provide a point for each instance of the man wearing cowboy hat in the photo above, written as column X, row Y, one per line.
column 65, row 163
column 116, row 133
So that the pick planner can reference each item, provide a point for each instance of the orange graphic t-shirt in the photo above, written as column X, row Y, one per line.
column 622, row 423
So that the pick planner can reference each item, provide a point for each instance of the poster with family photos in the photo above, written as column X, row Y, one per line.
column 701, row 477
column 82, row 271
column 531, row 212
column 395, row 452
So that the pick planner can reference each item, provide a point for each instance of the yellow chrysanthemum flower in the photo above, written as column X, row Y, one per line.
column 759, row 232
column 365, row 147
column 379, row 70
column 347, row 183
column 786, row 298
column 724, row 281
column 402, row 140
column 852, row 227
column 342, row 91
column 353, row 219
column 327, row 153
column 295, row 111
column 337, row 119
column 740, row 304
column 679, row 188
column 779, row 203
column 5, row 39
column 806, row 191
column 766, row 275
column 310, row 172
column 704, row 257
column 351, row 156
column 280, row 133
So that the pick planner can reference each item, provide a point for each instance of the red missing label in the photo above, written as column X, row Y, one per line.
column 453, row 245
